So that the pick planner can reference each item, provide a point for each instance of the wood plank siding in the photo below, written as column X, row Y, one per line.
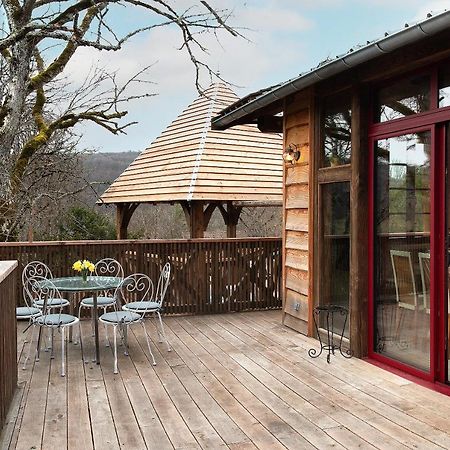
column 8, row 344
column 189, row 161
column 239, row 381
column 296, row 224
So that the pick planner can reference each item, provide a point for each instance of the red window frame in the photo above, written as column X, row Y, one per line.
column 433, row 120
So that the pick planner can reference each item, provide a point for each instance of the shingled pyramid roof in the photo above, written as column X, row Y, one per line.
column 189, row 161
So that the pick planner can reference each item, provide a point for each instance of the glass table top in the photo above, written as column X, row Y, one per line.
column 92, row 284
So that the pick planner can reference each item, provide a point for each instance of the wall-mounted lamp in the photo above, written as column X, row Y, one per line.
column 292, row 153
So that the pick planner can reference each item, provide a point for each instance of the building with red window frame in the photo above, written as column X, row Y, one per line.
column 366, row 194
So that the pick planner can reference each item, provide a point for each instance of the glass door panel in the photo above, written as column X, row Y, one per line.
column 335, row 249
column 402, row 248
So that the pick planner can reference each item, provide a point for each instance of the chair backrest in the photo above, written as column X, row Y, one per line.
column 31, row 270
column 109, row 267
column 36, row 269
column 424, row 264
column 134, row 288
column 163, row 283
column 29, row 296
column 405, row 285
column 41, row 288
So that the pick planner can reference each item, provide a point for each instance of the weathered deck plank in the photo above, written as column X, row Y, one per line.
column 239, row 381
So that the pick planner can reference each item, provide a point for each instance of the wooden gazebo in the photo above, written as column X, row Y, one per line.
column 202, row 169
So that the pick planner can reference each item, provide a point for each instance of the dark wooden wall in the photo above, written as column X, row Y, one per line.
column 8, row 343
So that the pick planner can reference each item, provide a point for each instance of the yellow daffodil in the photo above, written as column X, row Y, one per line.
column 83, row 266
column 77, row 265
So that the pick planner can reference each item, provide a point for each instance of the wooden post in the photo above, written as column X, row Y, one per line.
column 197, row 227
column 197, row 218
column 231, row 217
column 124, row 212
column 359, row 214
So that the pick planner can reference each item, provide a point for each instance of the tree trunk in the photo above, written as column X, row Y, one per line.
column 16, row 88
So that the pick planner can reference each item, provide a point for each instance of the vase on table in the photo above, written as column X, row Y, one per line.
column 84, row 275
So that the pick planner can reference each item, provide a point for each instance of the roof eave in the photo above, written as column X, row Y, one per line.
column 388, row 44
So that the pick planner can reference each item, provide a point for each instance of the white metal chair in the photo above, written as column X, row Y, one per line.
column 405, row 286
column 154, row 306
column 39, row 269
column 424, row 264
column 51, row 317
column 107, row 267
column 136, row 287
column 29, row 313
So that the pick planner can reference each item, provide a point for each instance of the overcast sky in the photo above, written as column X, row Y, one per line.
column 287, row 37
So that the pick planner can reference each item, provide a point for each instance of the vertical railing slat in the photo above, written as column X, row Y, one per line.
column 209, row 276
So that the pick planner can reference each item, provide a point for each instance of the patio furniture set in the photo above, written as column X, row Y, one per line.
column 129, row 300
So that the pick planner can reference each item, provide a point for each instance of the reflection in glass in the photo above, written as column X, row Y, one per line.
column 402, row 248
column 335, row 248
column 444, row 87
column 337, row 131
column 403, row 98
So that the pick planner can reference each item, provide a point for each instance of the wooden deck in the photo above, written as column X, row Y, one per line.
column 237, row 381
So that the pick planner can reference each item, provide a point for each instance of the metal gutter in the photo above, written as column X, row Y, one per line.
column 408, row 35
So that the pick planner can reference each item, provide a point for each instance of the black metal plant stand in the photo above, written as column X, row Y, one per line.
column 329, row 345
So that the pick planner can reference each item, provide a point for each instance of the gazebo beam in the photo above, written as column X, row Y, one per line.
column 124, row 212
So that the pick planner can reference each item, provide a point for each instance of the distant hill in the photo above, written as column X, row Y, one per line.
column 104, row 168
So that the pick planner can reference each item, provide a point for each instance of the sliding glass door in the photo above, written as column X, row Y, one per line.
column 402, row 227
column 410, row 223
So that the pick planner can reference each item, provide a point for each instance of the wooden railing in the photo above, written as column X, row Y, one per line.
column 8, row 333
column 209, row 275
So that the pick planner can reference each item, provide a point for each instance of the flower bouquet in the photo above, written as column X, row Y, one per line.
column 85, row 267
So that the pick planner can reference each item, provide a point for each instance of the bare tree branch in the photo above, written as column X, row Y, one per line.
column 37, row 111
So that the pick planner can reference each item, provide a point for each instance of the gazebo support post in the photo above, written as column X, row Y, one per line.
column 197, row 226
column 197, row 217
column 124, row 211
column 231, row 217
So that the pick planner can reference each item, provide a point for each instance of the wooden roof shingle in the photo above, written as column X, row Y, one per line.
column 189, row 161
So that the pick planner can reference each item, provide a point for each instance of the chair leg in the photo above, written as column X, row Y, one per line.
column 52, row 354
column 115, row 348
column 79, row 329
column 29, row 348
column 81, row 342
column 399, row 325
column 38, row 345
column 162, row 331
column 92, row 322
column 148, row 343
column 28, row 332
column 46, row 344
column 63, row 361
column 106, row 329
column 125, row 339
column 158, row 331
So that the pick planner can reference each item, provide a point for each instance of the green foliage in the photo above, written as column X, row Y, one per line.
column 81, row 223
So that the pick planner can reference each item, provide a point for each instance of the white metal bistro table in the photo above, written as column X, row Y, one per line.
column 94, row 285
